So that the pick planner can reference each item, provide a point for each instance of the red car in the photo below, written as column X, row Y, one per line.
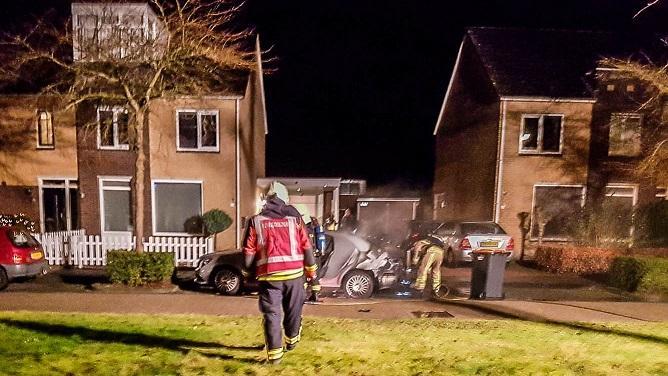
column 20, row 255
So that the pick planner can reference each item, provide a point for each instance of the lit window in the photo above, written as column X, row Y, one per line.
column 112, row 129
column 610, row 87
column 541, row 134
column 45, row 138
column 197, row 130
column 174, row 203
column 630, row 88
column 553, row 210
column 625, row 135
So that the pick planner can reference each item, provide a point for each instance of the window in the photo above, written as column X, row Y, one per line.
column 625, row 135
column 87, row 34
column 45, row 139
column 662, row 193
column 610, row 87
column 174, row 203
column 553, row 210
column 197, row 130
column 112, row 128
column 116, row 205
column 541, row 134
column 617, row 210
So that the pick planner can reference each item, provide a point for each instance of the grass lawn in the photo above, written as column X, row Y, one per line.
column 90, row 344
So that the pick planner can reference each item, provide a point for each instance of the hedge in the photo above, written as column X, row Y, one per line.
column 573, row 259
column 642, row 274
column 135, row 269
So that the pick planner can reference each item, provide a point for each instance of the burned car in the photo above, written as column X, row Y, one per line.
column 348, row 263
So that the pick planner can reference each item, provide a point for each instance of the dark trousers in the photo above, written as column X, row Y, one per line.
column 287, row 296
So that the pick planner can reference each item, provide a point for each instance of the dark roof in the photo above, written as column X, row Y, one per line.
column 551, row 63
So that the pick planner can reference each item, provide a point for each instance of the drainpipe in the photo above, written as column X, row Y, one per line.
column 499, row 177
column 237, row 161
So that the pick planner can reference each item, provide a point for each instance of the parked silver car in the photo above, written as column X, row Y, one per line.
column 459, row 239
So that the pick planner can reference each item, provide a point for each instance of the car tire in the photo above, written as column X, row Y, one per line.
column 450, row 259
column 358, row 284
column 227, row 281
column 4, row 280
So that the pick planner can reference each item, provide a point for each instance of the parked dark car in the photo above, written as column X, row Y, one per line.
column 21, row 256
column 349, row 263
column 460, row 238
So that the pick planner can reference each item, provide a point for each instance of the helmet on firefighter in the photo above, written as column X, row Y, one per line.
column 279, row 190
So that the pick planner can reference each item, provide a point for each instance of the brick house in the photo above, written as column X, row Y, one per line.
column 203, row 152
column 532, row 128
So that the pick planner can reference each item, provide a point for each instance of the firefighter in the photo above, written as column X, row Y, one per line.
column 430, row 258
column 277, row 244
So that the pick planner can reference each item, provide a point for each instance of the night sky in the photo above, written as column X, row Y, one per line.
column 358, row 84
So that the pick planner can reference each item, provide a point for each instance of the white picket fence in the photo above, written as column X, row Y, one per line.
column 78, row 249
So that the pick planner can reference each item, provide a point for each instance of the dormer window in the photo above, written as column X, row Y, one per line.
column 45, row 136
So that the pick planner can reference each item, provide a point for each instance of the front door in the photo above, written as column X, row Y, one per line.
column 59, row 204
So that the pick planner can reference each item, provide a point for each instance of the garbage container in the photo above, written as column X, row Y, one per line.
column 487, row 274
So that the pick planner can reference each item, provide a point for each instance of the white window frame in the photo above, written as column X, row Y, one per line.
column 53, row 130
column 533, row 206
column 633, row 196
column 153, row 208
column 69, row 182
column 102, row 188
column 662, row 196
column 641, row 119
column 199, row 148
column 539, row 140
column 117, row 145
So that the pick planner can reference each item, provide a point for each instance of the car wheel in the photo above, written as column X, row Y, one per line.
column 450, row 259
column 4, row 281
column 227, row 282
column 358, row 284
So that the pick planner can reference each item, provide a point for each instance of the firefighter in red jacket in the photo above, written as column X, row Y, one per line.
column 277, row 244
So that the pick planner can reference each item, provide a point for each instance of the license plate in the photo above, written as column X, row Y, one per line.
column 36, row 255
column 489, row 244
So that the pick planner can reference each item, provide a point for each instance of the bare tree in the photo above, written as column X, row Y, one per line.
column 655, row 161
column 126, row 59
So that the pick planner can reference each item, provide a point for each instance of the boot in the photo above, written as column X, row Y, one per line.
column 314, row 297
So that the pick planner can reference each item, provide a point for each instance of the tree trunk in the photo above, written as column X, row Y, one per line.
column 138, row 186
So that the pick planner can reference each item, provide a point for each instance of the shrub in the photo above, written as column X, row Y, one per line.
column 215, row 221
column 135, row 269
column 626, row 273
column 643, row 274
column 574, row 259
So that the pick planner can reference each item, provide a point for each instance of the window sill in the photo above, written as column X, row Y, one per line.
column 119, row 148
column 45, row 147
column 180, row 150
column 528, row 152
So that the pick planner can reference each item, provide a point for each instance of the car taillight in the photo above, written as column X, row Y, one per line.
column 465, row 244
column 17, row 259
column 511, row 245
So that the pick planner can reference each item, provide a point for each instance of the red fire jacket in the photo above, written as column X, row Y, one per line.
column 278, row 246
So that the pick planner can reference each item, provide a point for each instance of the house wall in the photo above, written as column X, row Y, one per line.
column 252, row 142
column 94, row 163
column 522, row 172
column 21, row 162
column 606, row 169
column 466, row 144
column 216, row 170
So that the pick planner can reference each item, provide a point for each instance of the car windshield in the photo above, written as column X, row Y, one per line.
column 21, row 239
column 481, row 228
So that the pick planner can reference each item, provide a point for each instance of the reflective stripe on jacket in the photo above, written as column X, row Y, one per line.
column 278, row 245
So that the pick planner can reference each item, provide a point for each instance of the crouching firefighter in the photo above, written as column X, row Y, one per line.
column 430, row 258
column 277, row 244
